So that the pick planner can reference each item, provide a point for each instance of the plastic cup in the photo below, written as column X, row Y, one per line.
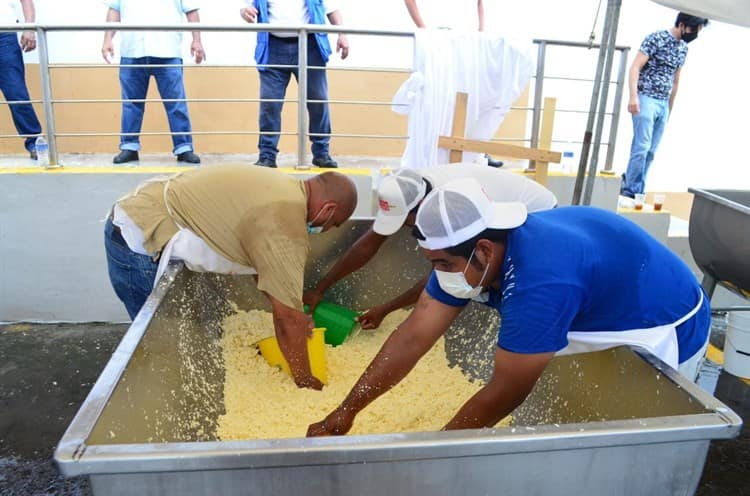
column 316, row 353
column 640, row 199
column 339, row 321
column 658, row 202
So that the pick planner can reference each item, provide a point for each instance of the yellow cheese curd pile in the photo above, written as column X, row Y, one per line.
column 262, row 402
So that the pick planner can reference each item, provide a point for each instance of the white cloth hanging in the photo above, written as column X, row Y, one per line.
column 490, row 69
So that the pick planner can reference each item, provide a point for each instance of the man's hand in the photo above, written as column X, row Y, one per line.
column 373, row 317
column 312, row 298
column 337, row 423
column 28, row 41
column 249, row 14
column 634, row 106
column 196, row 51
column 342, row 45
column 108, row 50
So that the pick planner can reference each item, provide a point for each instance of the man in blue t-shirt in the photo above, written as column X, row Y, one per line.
column 567, row 280
column 653, row 80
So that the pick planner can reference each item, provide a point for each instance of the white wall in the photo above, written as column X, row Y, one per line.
column 703, row 142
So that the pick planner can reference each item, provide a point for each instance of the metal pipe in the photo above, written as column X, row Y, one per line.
column 49, row 115
column 609, row 59
column 616, row 110
column 169, row 133
column 538, row 90
column 403, row 70
column 585, row 148
column 302, row 101
column 576, row 43
column 730, row 309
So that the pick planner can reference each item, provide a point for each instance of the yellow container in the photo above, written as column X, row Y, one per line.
column 316, row 352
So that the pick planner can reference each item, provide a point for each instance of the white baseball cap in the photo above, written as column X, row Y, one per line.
column 399, row 192
column 461, row 209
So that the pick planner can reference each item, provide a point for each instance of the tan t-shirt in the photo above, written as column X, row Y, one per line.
column 253, row 216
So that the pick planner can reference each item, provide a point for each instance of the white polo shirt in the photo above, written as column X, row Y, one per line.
column 165, row 44
column 8, row 12
column 293, row 12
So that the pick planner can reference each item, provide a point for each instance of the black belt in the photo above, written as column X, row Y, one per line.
column 291, row 39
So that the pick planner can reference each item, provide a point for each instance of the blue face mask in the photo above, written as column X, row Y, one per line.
column 311, row 229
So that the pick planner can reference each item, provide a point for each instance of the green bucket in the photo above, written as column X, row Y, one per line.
column 338, row 321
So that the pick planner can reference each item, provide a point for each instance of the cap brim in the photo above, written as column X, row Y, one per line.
column 385, row 225
column 506, row 215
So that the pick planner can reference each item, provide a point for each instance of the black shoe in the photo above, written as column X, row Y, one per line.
column 126, row 156
column 492, row 162
column 266, row 162
column 33, row 155
column 325, row 162
column 189, row 157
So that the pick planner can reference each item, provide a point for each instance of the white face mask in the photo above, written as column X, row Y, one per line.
column 456, row 285
column 311, row 229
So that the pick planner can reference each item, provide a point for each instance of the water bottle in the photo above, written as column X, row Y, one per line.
column 568, row 162
column 42, row 151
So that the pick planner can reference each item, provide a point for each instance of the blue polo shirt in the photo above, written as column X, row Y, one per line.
column 579, row 269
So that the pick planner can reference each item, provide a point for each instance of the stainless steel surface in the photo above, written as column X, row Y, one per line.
column 614, row 123
column 615, row 422
column 719, row 236
column 609, row 49
column 536, row 115
column 49, row 113
column 302, row 101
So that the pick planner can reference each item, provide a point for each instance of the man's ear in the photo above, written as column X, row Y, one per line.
column 484, row 251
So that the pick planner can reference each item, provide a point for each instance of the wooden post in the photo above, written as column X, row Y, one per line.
column 459, row 124
column 541, row 168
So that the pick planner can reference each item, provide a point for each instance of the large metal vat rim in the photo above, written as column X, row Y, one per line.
column 711, row 195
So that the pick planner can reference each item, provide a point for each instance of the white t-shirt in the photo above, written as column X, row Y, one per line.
column 8, row 12
column 165, row 44
column 293, row 12
column 500, row 185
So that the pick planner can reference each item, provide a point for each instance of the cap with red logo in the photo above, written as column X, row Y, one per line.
column 398, row 194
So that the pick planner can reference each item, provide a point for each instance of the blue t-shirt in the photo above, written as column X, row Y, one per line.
column 578, row 269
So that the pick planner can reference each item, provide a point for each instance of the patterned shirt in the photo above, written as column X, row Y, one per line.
column 666, row 54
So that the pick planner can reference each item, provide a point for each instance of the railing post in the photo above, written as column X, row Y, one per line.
column 49, row 115
column 609, row 49
column 302, row 101
column 616, row 111
column 538, row 91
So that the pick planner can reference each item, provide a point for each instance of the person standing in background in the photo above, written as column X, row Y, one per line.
column 276, row 48
column 13, row 72
column 163, row 50
column 653, row 81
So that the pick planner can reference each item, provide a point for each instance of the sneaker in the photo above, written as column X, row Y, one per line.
column 33, row 155
column 126, row 156
column 625, row 202
column 325, row 162
column 492, row 162
column 266, row 162
column 189, row 157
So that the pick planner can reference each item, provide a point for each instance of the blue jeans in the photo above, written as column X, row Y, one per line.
column 273, row 84
column 648, row 127
column 134, row 85
column 132, row 275
column 13, row 86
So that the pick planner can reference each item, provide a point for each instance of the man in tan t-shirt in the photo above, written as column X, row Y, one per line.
column 229, row 219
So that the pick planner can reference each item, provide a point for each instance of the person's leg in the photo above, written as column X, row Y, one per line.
column 170, row 84
column 132, row 275
column 13, row 87
column 660, row 123
column 133, row 86
column 643, row 125
column 317, row 89
column 273, row 83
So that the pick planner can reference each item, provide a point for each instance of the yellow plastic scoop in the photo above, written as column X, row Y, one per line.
column 316, row 352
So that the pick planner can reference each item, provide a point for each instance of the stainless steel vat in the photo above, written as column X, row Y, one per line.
column 618, row 422
column 720, row 238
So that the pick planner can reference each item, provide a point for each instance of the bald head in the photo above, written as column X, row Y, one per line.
column 332, row 198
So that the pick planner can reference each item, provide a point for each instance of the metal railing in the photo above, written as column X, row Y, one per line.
column 48, row 101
